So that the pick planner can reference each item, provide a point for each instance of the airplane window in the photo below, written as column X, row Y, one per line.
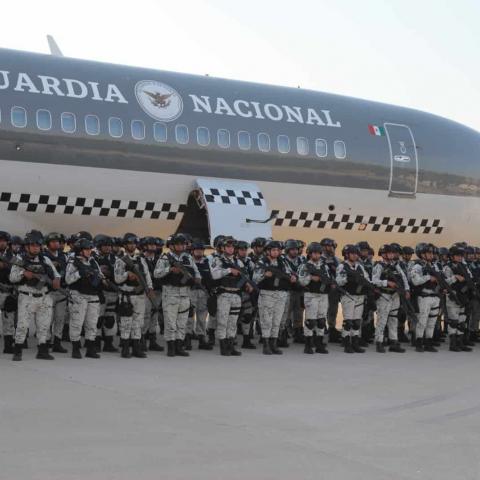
column 244, row 140
column 321, row 147
column 159, row 132
column 0, row 115
column 264, row 142
column 339, row 149
column 181, row 134
column 44, row 120
column 69, row 122
column 19, row 117
column 223, row 138
column 92, row 125
column 138, row 130
column 203, row 136
column 115, row 127
column 283, row 144
column 302, row 146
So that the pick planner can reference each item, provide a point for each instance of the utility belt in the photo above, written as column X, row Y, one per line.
column 426, row 295
column 34, row 295
column 132, row 294
column 235, row 291
column 387, row 291
column 275, row 289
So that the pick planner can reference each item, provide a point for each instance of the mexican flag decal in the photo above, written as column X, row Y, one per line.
column 376, row 130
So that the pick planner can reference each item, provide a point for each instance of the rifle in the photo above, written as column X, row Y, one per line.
column 133, row 267
column 244, row 278
column 405, row 303
column 326, row 279
column 443, row 284
column 276, row 272
column 39, row 273
column 187, row 278
column 371, row 290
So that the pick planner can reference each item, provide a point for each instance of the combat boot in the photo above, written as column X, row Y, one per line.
column 247, row 343
column 211, row 336
column 396, row 347
column 266, row 347
column 125, row 353
column 17, row 352
column 429, row 345
column 283, row 339
column 466, row 340
column 188, row 342
column 179, row 349
column 379, row 347
column 66, row 333
column 308, row 346
column 419, row 345
column 171, row 348
column 402, row 336
column 231, row 347
column 347, row 345
column 57, row 346
column 461, row 343
column 356, row 345
column 8, row 344
column 203, row 344
column 153, row 346
column 91, row 346
column 274, row 346
column 143, row 343
column 334, row 335
column 454, row 347
column 298, row 336
column 76, row 350
column 320, row 347
column 108, row 345
column 42, row 353
column 224, row 347
column 137, row 350
column 97, row 343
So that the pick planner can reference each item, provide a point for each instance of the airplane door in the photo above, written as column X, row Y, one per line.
column 403, row 160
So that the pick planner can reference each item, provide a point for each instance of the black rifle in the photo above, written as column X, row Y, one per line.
column 325, row 279
column 244, row 278
column 444, row 285
column 276, row 272
column 188, row 279
column 371, row 291
column 405, row 303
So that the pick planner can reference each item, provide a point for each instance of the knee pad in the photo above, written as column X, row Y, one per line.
column 246, row 319
column 108, row 321
column 321, row 323
column 356, row 324
column 310, row 324
column 348, row 325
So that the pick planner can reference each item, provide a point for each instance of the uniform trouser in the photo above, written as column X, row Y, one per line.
column 8, row 318
column 333, row 300
column 198, row 299
column 176, row 304
column 271, row 305
column 352, row 307
column 59, row 314
column 428, row 308
column 456, row 318
column 150, row 321
column 108, row 313
column 212, row 322
column 293, row 315
column 84, row 312
column 37, row 309
column 228, row 310
column 388, row 306
column 316, row 309
column 474, row 319
column 131, row 327
column 246, row 313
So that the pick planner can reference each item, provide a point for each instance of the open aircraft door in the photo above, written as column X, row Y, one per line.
column 226, row 207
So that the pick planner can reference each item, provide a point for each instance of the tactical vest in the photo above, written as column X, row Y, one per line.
column 84, row 285
column 203, row 267
column 59, row 261
column 229, row 281
column 175, row 279
column 272, row 283
column 135, row 283
column 352, row 287
column 427, row 285
column 151, row 264
column 28, row 262
column 387, row 271
column 319, row 287
column 5, row 272
column 460, row 287
column 109, row 262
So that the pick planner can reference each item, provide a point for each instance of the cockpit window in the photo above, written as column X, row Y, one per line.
column 339, row 149
column 283, row 144
column 302, row 146
column 19, row 117
column 92, row 125
column 203, row 136
column 68, row 122
column 181, row 134
column 44, row 120
column 115, row 127
column 264, row 142
column 244, row 141
column 138, row 129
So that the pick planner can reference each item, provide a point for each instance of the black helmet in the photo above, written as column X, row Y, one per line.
column 328, row 242
column 33, row 238
column 241, row 244
column 314, row 247
column 117, row 241
column 62, row 238
column 350, row 248
column 363, row 245
column 385, row 248
column 273, row 244
column 197, row 244
column 84, row 234
column 5, row 236
column 408, row 250
column 102, row 240
column 177, row 239
column 83, row 244
column 16, row 240
column 144, row 241
column 130, row 238
column 422, row 248
column 259, row 242
column 227, row 241
column 52, row 237
column 455, row 250
column 217, row 239
column 291, row 244
column 460, row 244
column 396, row 247
column 159, row 242
column 469, row 250
column 443, row 251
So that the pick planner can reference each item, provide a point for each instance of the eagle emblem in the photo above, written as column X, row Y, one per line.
column 158, row 99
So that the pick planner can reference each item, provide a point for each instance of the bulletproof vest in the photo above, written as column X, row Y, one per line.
column 319, row 287
column 368, row 266
column 84, row 284
column 474, row 267
column 459, row 287
column 31, row 263
column 109, row 262
column 294, row 264
column 352, row 287
column 388, row 270
column 273, row 283
column 175, row 279
column 204, row 268
column 151, row 264
column 427, row 285
column 5, row 272
column 249, row 265
column 139, row 264
column 332, row 263
column 59, row 261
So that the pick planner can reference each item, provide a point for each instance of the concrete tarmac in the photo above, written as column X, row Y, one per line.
column 338, row 416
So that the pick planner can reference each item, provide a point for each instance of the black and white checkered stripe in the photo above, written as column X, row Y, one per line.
column 234, row 197
column 62, row 204
column 289, row 218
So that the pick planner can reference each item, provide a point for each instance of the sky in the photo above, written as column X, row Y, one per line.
column 415, row 53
